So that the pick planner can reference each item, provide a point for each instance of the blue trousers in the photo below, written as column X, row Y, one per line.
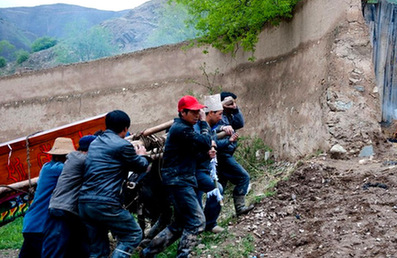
column 212, row 207
column 99, row 218
column 65, row 235
column 230, row 170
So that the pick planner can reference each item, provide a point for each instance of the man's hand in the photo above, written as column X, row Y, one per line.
column 229, row 103
column 140, row 149
column 202, row 115
column 234, row 137
column 228, row 129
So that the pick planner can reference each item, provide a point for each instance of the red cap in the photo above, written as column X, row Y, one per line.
column 189, row 102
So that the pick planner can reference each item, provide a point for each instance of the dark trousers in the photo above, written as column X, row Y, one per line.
column 212, row 207
column 64, row 236
column 230, row 170
column 32, row 244
column 189, row 215
column 100, row 218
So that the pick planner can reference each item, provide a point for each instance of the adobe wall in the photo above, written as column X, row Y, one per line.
column 311, row 86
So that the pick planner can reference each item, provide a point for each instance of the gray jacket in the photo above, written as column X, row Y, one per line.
column 66, row 193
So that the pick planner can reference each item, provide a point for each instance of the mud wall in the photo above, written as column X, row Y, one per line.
column 311, row 86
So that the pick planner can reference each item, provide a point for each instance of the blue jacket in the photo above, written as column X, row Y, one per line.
column 236, row 120
column 37, row 214
column 180, row 152
column 108, row 162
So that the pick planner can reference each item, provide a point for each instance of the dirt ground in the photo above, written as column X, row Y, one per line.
column 329, row 208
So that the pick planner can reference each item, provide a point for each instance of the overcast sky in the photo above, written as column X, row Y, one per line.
column 111, row 5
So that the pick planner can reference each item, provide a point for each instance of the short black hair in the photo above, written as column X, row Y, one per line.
column 117, row 121
column 225, row 94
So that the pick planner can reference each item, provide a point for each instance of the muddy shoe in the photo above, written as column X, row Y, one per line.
column 239, row 205
column 217, row 229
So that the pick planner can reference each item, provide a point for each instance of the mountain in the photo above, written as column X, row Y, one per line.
column 22, row 25
column 151, row 24
column 131, row 30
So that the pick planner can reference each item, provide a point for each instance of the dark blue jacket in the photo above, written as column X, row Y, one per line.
column 108, row 162
column 236, row 120
column 181, row 149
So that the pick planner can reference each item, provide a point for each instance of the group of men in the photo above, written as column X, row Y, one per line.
column 79, row 197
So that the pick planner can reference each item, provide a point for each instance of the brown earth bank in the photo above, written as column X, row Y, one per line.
column 328, row 208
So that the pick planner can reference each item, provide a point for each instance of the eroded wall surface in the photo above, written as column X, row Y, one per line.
column 311, row 86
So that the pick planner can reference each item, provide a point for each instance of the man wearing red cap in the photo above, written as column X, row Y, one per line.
column 178, row 174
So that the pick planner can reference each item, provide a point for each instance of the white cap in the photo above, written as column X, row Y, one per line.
column 213, row 103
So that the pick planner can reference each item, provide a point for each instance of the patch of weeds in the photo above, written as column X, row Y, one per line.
column 270, row 193
column 11, row 234
column 241, row 248
column 253, row 154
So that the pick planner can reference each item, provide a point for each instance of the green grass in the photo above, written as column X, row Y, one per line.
column 11, row 235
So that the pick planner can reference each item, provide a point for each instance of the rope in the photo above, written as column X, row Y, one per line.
column 31, row 189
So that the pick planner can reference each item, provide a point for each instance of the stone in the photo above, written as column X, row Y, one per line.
column 367, row 151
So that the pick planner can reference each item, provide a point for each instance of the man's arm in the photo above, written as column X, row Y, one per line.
column 134, row 162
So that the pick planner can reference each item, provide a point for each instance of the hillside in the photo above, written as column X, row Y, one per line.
column 325, row 208
column 21, row 23
column 129, row 30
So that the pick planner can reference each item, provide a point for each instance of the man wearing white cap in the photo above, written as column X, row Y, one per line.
column 36, row 216
column 206, row 166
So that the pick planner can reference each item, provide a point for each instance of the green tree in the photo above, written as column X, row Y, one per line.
column 84, row 45
column 22, row 56
column 43, row 43
column 173, row 27
column 6, row 49
column 3, row 62
column 227, row 24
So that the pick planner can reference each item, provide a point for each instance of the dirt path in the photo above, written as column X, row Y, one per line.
column 328, row 208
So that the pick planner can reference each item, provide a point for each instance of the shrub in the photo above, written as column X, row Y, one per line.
column 22, row 56
column 43, row 43
column 3, row 62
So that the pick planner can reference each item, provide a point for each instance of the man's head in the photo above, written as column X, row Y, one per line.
column 85, row 142
column 61, row 147
column 214, row 109
column 189, row 109
column 118, row 121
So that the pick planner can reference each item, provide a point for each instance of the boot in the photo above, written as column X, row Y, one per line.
column 164, row 239
column 186, row 245
column 239, row 205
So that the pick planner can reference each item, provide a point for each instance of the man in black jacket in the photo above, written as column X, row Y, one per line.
column 109, row 159
column 178, row 174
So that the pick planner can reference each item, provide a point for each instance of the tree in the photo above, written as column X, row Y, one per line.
column 85, row 45
column 22, row 56
column 172, row 27
column 3, row 62
column 43, row 43
column 6, row 49
column 227, row 24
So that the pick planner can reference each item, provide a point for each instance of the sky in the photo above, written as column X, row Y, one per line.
column 109, row 5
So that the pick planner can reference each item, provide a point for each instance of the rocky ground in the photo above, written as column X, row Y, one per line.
column 328, row 208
